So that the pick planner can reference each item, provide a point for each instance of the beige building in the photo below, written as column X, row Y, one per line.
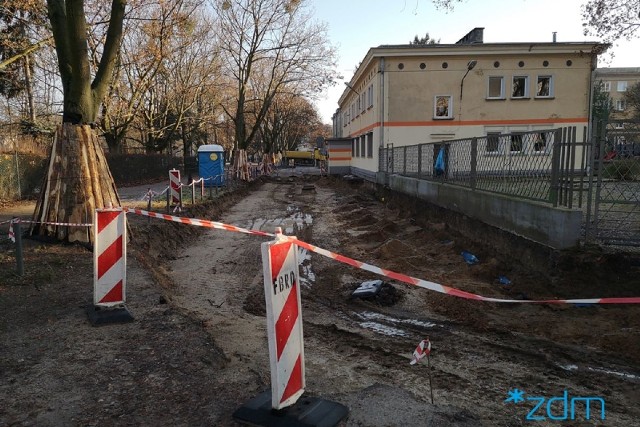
column 615, row 82
column 412, row 94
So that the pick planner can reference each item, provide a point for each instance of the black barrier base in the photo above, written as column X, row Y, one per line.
column 306, row 412
column 99, row 316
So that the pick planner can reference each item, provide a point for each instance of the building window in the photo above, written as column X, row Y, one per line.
column 619, row 125
column 442, row 107
column 356, row 148
column 606, row 86
column 370, row 145
column 520, row 87
column 516, row 144
column 371, row 96
column 363, row 152
column 622, row 86
column 544, row 89
column 542, row 142
column 621, row 105
column 493, row 142
column 496, row 87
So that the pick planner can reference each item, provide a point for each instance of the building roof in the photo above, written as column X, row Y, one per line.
column 617, row 71
column 475, row 49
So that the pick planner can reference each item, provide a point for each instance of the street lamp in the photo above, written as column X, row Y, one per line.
column 470, row 65
column 351, row 87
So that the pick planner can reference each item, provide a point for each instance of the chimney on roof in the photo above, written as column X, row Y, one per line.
column 554, row 36
column 473, row 37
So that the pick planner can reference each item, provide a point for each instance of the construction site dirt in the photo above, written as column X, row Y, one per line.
column 197, row 348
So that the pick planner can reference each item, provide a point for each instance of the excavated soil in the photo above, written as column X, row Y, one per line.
column 197, row 348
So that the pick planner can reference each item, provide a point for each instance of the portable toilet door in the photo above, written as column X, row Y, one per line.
column 211, row 164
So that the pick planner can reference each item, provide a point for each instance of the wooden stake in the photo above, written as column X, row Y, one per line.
column 430, row 384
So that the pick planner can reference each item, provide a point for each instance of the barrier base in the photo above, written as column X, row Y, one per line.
column 306, row 412
column 106, row 315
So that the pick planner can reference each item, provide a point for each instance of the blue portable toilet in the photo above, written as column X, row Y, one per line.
column 211, row 164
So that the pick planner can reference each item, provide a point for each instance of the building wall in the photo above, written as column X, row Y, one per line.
column 615, row 80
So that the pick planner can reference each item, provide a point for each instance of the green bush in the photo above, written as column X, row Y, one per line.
column 622, row 170
column 20, row 175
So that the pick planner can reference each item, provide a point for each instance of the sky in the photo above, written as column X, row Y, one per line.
column 354, row 26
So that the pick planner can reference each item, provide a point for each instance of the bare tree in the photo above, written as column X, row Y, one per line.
column 78, row 179
column 266, row 46
column 424, row 40
column 632, row 98
column 21, row 28
column 611, row 19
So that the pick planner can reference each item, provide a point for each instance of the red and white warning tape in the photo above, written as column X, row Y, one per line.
column 436, row 287
column 12, row 234
column 423, row 349
column 452, row 291
column 64, row 224
column 198, row 222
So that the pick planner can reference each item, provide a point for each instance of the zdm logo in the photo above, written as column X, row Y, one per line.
column 559, row 408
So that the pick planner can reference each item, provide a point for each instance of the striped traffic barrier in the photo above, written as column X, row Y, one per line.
column 284, row 320
column 109, row 268
column 284, row 404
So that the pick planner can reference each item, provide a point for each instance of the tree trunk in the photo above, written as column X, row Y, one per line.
column 78, row 181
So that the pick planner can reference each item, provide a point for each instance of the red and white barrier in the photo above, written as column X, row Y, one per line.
column 174, row 182
column 284, row 320
column 109, row 257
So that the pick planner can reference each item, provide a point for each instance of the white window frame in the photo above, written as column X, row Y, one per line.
column 370, row 145
column 526, row 86
column 606, row 86
column 511, row 141
column 551, row 85
column 443, row 114
column 371, row 96
column 619, row 125
column 498, row 136
column 622, row 86
column 548, row 144
column 621, row 105
column 502, row 88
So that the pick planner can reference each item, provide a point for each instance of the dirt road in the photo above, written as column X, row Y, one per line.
column 198, row 348
column 480, row 352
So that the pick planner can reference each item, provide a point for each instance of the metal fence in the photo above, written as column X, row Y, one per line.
column 613, row 214
column 548, row 166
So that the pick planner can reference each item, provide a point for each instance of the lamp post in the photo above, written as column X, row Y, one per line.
column 470, row 65
column 351, row 87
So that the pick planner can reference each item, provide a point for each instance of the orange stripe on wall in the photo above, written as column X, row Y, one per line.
column 472, row 123
column 340, row 150
column 338, row 159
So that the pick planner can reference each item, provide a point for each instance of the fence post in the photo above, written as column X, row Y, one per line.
column 419, row 161
column 17, row 230
column 404, row 155
column 150, row 196
column 18, row 175
column 474, row 162
column 555, row 168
